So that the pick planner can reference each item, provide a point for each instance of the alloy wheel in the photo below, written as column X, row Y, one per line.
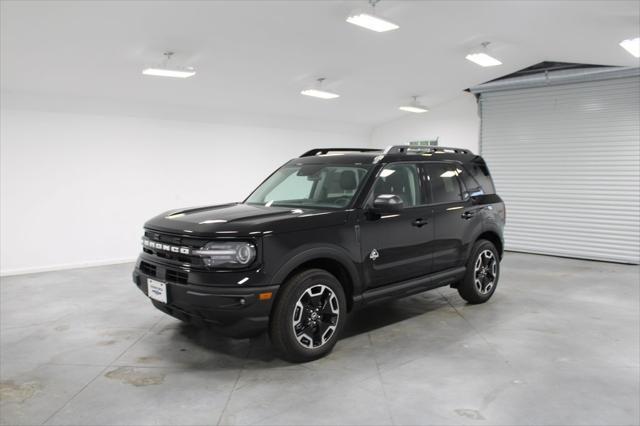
column 315, row 316
column 485, row 271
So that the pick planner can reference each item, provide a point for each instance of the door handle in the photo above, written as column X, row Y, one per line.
column 468, row 215
column 419, row 222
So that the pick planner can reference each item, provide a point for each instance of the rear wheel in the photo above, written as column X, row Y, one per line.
column 308, row 316
column 483, row 271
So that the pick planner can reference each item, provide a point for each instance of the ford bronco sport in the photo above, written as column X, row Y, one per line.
column 326, row 233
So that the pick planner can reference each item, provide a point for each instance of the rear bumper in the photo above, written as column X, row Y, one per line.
column 231, row 311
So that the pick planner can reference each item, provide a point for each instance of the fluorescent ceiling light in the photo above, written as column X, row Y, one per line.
column 169, row 72
column 317, row 92
column 483, row 59
column 372, row 22
column 632, row 46
column 411, row 108
column 163, row 70
column 414, row 106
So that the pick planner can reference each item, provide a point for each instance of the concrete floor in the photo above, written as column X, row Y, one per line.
column 557, row 344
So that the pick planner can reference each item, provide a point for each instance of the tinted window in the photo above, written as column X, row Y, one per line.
column 401, row 180
column 472, row 186
column 445, row 185
column 480, row 172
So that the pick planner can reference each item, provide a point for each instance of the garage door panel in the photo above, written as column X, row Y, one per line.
column 566, row 160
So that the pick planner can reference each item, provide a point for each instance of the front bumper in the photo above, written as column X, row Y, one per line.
column 231, row 311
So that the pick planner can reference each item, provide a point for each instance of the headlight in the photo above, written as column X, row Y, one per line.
column 227, row 254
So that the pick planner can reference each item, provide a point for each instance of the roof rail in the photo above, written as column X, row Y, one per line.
column 322, row 151
column 411, row 149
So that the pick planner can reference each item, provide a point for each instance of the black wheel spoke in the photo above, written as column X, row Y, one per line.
column 322, row 328
column 326, row 308
column 491, row 274
column 304, row 329
column 305, row 299
column 317, row 302
column 317, row 335
column 330, row 318
column 485, row 282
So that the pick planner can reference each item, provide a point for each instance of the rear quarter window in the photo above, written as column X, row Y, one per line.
column 480, row 173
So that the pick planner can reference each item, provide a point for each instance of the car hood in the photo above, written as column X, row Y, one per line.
column 238, row 219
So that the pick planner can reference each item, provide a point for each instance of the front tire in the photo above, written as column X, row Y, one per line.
column 308, row 316
column 483, row 272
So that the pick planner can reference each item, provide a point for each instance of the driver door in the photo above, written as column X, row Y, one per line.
column 397, row 247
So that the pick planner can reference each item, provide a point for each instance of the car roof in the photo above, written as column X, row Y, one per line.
column 397, row 153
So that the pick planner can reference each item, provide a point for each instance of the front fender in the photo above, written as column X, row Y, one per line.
column 311, row 252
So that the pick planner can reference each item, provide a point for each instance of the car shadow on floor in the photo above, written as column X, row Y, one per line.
column 392, row 312
column 360, row 321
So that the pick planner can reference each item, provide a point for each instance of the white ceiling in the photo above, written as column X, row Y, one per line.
column 256, row 56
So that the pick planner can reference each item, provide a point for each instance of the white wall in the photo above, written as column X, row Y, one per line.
column 455, row 123
column 77, row 187
column 80, row 176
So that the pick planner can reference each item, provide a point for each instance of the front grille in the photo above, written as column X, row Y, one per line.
column 178, row 277
column 148, row 269
column 183, row 259
column 175, row 240
column 174, row 256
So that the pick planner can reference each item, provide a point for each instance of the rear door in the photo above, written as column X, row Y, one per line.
column 397, row 247
column 456, row 219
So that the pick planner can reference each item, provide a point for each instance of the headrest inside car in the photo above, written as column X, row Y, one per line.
column 348, row 180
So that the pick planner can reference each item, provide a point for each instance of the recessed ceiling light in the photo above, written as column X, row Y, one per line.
column 482, row 58
column 372, row 22
column 164, row 70
column 317, row 92
column 414, row 106
column 632, row 46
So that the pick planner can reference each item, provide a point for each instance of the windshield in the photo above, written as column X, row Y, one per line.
column 310, row 185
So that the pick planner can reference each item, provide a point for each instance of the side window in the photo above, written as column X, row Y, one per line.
column 472, row 185
column 341, row 181
column 401, row 180
column 481, row 173
column 445, row 185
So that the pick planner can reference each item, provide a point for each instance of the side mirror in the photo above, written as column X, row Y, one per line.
column 388, row 203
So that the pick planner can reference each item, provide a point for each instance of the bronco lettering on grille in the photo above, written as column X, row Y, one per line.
column 165, row 247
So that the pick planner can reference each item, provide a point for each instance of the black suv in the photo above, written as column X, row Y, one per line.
column 328, row 232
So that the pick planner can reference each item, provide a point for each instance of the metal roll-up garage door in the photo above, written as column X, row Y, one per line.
column 565, row 157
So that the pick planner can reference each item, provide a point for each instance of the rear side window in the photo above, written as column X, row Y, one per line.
column 445, row 184
column 472, row 185
column 480, row 172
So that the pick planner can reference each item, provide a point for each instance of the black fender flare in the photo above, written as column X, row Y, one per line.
column 492, row 229
column 310, row 252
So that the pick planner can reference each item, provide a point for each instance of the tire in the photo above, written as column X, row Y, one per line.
column 308, row 316
column 483, row 271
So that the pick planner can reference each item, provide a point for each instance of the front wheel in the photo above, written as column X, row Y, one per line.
column 308, row 316
column 483, row 271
